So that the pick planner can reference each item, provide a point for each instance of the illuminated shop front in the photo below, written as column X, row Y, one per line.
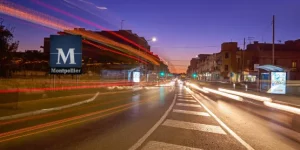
column 248, row 77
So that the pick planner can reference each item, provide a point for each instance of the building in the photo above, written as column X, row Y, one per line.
column 230, row 60
column 287, row 55
column 236, row 65
column 193, row 66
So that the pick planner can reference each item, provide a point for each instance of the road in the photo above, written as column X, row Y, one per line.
column 158, row 118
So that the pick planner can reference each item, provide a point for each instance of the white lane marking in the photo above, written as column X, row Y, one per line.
column 226, row 127
column 191, row 112
column 153, row 145
column 194, row 126
column 183, row 100
column 185, row 96
column 188, row 105
column 142, row 139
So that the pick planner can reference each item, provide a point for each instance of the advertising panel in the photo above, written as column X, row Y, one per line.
column 278, row 83
column 136, row 76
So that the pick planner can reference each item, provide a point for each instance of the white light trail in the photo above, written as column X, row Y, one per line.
column 283, row 107
column 252, row 96
column 234, row 97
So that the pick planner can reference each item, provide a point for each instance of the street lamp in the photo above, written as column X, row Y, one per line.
column 153, row 39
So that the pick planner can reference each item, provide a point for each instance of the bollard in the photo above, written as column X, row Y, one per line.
column 234, row 85
column 246, row 87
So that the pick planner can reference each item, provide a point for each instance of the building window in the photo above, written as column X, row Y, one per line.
column 275, row 62
column 226, row 67
column 226, row 55
column 294, row 64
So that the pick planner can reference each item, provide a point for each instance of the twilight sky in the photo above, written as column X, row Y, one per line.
column 184, row 28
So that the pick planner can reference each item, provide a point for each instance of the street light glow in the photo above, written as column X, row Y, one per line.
column 154, row 39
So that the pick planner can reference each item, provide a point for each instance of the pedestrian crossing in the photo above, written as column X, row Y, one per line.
column 153, row 145
column 183, row 100
column 194, row 126
column 188, row 105
column 190, row 112
column 182, row 119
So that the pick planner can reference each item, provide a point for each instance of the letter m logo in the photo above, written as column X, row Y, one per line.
column 64, row 58
column 65, row 51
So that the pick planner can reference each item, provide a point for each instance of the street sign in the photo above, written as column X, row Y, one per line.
column 65, row 54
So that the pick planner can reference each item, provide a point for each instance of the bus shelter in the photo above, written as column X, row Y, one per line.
column 272, row 79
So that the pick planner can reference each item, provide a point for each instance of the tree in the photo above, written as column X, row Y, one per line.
column 7, row 47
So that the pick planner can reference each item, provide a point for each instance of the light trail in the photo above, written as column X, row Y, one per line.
column 88, row 22
column 66, row 111
column 41, row 126
column 197, row 88
column 26, row 14
column 110, row 50
column 252, row 96
column 234, row 97
column 63, row 88
column 290, row 109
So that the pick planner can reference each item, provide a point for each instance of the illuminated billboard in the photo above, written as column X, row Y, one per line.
column 136, row 76
column 278, row 83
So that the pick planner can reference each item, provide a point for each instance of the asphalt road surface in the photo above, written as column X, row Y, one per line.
column 153, row 119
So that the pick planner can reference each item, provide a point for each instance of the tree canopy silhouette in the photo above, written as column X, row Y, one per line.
column 7, row 47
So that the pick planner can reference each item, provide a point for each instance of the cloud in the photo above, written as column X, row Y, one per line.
column 87, row 2
column 102, row 8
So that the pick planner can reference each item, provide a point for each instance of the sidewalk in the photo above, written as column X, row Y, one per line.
column 284, row 99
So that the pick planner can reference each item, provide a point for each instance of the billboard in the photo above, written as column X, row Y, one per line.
column 278, row 83
column 65, row 54
column 136, row 76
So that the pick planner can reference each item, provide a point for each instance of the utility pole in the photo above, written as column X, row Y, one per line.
column 273, row 39
column 243, row 57
column 122, row 24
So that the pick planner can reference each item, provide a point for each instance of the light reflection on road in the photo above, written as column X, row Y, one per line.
column 162, row 95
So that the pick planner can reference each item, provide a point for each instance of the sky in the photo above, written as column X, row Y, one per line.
column 183, row 28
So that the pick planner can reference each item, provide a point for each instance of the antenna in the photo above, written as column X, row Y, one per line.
column 250, row 39
column 122, row 24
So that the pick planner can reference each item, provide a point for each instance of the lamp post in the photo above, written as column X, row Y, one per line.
column 153, row 39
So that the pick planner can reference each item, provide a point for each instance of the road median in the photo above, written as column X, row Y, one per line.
column 36, row 107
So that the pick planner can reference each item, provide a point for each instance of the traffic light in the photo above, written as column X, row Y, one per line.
column 162, row 74
column 194, row 75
